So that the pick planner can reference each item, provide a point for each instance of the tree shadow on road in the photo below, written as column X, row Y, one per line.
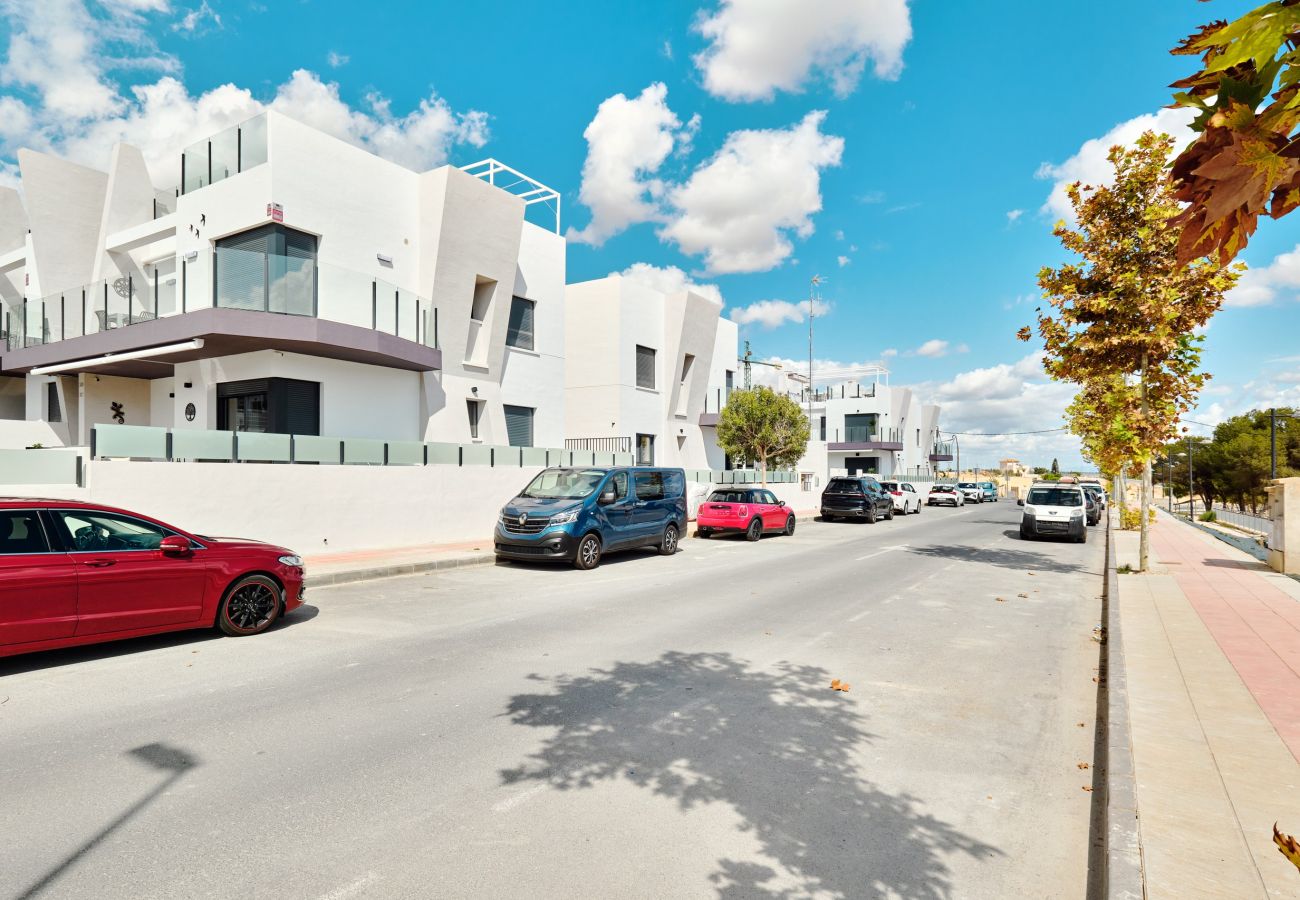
column 776, row 745
column 1004, row 558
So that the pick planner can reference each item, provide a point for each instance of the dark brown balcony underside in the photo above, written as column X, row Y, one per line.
column 225, row 332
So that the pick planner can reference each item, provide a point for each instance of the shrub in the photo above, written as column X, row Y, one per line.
column 1130, row 518
column 1208, row 516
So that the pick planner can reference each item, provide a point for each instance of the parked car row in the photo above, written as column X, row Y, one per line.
column 1061, row 509
column 961, row 493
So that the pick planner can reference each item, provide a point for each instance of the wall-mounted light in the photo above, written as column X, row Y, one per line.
column 191, row 256
column 473, row 390
column 384, row 260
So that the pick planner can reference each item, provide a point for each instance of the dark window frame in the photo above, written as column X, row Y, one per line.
column 513, row 325
column 647, row 353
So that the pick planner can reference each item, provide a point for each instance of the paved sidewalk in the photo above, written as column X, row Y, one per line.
column 1212, row 656
column 361, row 565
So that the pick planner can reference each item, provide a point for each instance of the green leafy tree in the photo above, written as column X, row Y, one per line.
column 1056, row 466
column 1127, row 312
column 1246, row 159
column 765, row 427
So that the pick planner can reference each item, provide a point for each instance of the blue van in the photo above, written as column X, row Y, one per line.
column 579, row 514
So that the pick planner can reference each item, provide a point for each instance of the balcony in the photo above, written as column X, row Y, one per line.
column 861, row 437
column 262, row 301
column 840, row 392
column 714, row 400
column 941, row 453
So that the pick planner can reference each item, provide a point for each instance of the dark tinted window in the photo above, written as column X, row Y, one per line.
column 674, row 484
column 844, row 486
column 619, row 482
column 889, row 485
column 519, row 330
column 730, row 497
column 21, row 532
column 1055, row 497
column 649, row 485
column 645, row 367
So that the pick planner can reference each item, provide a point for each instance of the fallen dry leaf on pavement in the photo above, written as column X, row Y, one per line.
column 838, row 685
column 1083, row 765
column 1287, row 845
column 1082, row 725
column 1002, row 599
column 1088, row 788
column 1026, row 596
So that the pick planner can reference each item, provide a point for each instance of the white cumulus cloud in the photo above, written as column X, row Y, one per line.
column 932, row 349
column 771, row 313
column 739, row 207
column 1260, row 287
column 669, row 280
column 70, row 58
column 1090, row 165
column 627, row 141
column 758, row 47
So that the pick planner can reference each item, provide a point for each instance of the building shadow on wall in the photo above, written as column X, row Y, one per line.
column 775, row 744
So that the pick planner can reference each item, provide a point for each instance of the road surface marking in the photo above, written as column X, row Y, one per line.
column 881, row 552
column 351, row 888
column 522, row 797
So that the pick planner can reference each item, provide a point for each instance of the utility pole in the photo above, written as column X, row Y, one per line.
column 812, row 302
column 1191, row 489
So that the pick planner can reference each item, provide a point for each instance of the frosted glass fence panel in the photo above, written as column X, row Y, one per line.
column 199, row 443
column 534, row 456
column 476, row 455
column 405, row 453
column 363, row 451
column 503, row 455
column 310, row 448
column 139, row 441
column 39, row 467
column 257, row 447
column 349, row 297
column 624, row 459
column 444, row 454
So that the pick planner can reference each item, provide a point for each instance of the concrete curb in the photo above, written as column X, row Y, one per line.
column 349, row 576
column 1114, row 853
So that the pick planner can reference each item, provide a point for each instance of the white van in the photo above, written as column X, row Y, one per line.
column 1053, row 508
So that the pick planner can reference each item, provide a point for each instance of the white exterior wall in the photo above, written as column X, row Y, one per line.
column 605, row 322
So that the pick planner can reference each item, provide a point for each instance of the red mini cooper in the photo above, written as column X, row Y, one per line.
column 750, row 511
column 77, row 573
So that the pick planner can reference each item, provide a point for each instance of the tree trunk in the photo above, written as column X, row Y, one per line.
column 762, row 469
column 1145, row 537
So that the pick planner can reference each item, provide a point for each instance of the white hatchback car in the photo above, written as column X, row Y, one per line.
column 944, row 494
column 906, row 499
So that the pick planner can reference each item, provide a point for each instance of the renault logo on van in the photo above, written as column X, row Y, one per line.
column 523, row 518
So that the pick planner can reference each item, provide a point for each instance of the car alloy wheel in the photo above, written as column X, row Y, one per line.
column 789, row 526
column 871, row 515
column 588, row 555
column 889, row 516
column 250, row 606
column 669, row 544
column 755, row 529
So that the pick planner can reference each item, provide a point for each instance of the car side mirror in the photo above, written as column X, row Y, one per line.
column 1020, row 502
column 174, row 545
column 607, row 498
column 780, row 503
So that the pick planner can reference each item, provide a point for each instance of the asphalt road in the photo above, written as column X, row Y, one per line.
column 660, row 727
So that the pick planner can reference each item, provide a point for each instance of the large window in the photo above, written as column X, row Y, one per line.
column 274, row 405
column 519, row 425
column 269, row 269
column 53, row 412
column 645, row 367
column 519, row 331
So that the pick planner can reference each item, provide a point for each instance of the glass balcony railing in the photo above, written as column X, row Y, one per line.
column 865, row 434
column 226, row 279
column 237, row 149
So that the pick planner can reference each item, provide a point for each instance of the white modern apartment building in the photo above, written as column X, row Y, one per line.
column 869, row 427
column 646, row 372
column 287, row 282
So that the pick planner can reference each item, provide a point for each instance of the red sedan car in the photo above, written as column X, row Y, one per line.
column 750, row 511
column 77, row 573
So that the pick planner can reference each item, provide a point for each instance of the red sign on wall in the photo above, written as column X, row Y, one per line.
column 275, row 211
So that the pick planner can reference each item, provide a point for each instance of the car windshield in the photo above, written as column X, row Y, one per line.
column 1055, row 497
column 729, row 497
column 563, row 484
column 966, row 484
column 844, row 486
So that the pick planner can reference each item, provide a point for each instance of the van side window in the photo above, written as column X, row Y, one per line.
column 674, row 484
column 649, row 485
column 619, row 483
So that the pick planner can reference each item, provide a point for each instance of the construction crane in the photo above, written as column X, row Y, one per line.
column 747, row 360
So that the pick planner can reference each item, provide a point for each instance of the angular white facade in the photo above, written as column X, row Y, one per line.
column 646, row 372
column 290, row 281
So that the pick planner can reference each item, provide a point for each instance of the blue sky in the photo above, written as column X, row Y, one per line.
column 934, row 166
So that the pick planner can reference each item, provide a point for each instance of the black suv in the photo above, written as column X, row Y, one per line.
column 857, row 497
